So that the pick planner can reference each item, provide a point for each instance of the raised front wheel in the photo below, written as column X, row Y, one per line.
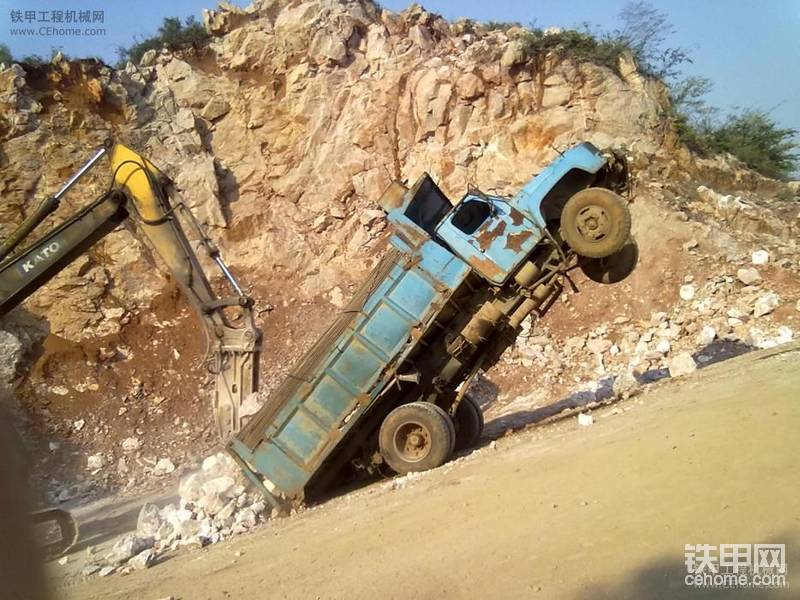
column 416, row 437
column 596, row 222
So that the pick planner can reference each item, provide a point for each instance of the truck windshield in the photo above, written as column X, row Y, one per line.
column 471, row 214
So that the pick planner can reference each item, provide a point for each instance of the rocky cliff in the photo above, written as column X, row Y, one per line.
column 281, row 135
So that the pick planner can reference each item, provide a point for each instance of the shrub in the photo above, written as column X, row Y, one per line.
column 644, row 30
column 753, row 137
column 582, row 46
column 173, row 34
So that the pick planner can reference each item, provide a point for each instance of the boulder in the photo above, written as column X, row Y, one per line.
column 681, row 364
column 765, row 304
column 149, row 522
column 748, row 276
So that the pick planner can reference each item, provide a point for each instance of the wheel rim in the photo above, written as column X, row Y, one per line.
column 593, row 222
column 412, row 441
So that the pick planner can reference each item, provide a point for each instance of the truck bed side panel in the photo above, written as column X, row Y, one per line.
column 346, row 369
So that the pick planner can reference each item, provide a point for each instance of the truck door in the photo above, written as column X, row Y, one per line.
column 490, row 234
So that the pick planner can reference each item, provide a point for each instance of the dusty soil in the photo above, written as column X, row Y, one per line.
column 557, row 511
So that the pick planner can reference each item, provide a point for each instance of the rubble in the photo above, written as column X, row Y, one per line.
column 215, row 504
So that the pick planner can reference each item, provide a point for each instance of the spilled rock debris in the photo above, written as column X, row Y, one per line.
column 215, row 504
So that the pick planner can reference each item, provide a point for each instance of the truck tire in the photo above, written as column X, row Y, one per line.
column 469, row 423
column 614, row 268
column 596, row 222
column 416, row 437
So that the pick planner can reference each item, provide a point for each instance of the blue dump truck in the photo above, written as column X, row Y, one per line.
column 385, row 385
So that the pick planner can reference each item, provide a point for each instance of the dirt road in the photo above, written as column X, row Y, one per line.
column 559, row 511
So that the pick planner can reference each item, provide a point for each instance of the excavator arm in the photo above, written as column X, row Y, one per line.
column 146, row 197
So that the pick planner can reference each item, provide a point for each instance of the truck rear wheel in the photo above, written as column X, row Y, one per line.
column 596, row 222
column 469, row 423
column 416, row 437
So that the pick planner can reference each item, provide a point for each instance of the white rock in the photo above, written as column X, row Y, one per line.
column 63, row 560
column 164, row 466
column 90, row 569
column 131, row 444
column 681, row 364
column 189, row 486
column 149, row 522
column 79, row 424
column 760, row 257
column 95, row 461
column 785, row 335
column 625, row 384
column 187, row 530
column 106, row 571
column 127, row 547
column 220, row 485
column 247, row 518
column 765, row 304
column 584, row 419
column 758, row 339
column 143, row 560
column 59, row 390
column 749, row 276
column 687, row 292
column 706, row 335
column 663, row 346
column 258, row 507
column 598, row 345
column 211, row 502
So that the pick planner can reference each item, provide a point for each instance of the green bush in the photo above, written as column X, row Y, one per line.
column 582, row 46
column 173, row 34
column 500, row 25
column 755, row 139
column 5, row 55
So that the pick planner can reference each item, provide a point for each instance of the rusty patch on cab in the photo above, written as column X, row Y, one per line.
column 517, row 218
column 486, row 238
column 516, row 240
column 488, row 268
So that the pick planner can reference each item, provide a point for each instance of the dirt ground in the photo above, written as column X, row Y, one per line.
column 557, row 511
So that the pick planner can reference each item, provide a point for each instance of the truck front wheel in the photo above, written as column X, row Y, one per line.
column 595, row 222
column 416, row 437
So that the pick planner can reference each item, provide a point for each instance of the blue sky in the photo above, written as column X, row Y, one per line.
column 750, row 49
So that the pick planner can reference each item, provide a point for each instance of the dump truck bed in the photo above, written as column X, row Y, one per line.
column 346, row 371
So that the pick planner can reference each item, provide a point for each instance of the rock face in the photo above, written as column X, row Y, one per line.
column 289, row 128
